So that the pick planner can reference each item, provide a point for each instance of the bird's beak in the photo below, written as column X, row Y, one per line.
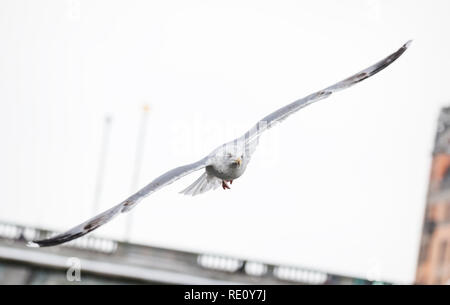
column 238, row 161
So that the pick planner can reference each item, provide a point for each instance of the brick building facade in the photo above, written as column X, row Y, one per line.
column 434, row 257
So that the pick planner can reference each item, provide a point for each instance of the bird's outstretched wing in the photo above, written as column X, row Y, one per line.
column 250, row 138
column 122, row 207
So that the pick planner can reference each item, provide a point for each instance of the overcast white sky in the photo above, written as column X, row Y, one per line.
column 339, row 187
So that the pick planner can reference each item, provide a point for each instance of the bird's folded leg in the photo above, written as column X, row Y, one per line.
column 225, row 185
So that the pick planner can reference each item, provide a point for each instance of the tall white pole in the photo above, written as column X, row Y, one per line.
column 140, row 147
column 102, row 164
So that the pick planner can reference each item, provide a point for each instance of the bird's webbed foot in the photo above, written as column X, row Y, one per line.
column 225, row 184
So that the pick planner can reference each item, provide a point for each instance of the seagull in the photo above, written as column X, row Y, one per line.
column 224, row 164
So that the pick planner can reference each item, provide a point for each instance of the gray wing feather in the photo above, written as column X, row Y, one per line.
column 125, row 206
column 250, row 138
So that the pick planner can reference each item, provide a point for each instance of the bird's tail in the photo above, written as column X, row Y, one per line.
column 203, row 184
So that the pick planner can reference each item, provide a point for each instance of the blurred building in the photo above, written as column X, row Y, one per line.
column 434, row 257
column 90, row 260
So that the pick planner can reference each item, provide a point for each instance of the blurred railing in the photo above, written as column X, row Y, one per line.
column 109, row 259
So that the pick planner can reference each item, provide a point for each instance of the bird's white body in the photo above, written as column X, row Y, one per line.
column 225, row 171
column 227, row 163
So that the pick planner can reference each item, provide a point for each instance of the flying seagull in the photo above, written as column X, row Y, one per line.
column 224, row 164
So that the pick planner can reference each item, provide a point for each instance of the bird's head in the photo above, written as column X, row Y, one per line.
column 235, row 160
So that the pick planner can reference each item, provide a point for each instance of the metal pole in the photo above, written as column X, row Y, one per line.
column 140, row 147
column 102, row 163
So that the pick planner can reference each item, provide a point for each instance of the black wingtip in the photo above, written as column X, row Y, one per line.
column 55, row 241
